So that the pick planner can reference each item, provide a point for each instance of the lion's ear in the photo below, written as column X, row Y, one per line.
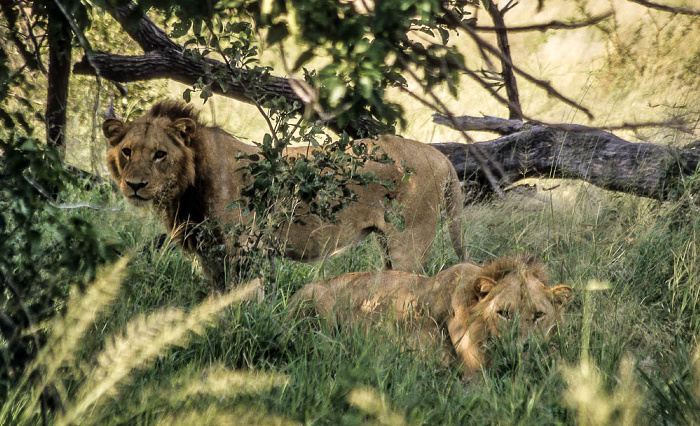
column 483, row 286
column 562, row 295
column 113, row 130
column 185, row 128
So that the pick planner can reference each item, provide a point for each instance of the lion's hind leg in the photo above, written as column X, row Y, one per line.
column 408, row 250
column 312, row 300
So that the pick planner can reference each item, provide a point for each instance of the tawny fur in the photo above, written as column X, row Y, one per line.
column 190, row 173
column 467, row 302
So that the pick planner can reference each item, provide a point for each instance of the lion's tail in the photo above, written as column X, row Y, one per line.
column 454, row 206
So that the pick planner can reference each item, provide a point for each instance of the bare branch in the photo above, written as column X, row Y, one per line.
column 489, row 167
column 141, row 28
column 545, row 85
column 666, row 8
column 600, row 158
column 31, row 59
column 514, row 109
column 671, row 124
column 551, row 25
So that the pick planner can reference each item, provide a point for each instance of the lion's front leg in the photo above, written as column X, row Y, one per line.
column 213, row 255
column 466, row 343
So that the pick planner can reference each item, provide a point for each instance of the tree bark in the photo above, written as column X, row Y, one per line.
column 600, row 158
column 514, row 108
column 59, row 39
column 172, row 64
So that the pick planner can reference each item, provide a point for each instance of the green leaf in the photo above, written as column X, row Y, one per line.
column 180, row 28
column 277, row 33
column 365, row 86
column 444, row 35
column 303, row 59
column 337, row 91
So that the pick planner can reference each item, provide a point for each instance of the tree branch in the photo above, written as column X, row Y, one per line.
column 545, row 85
column 164, row 58
column 141, row 28
column 171, row 64
column 32, row 60
column 551, row 25
column 506, row 127
column 480, row 124
column 514, row 109
column 665, row 8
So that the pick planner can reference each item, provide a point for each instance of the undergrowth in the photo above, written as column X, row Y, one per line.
column 626, row 353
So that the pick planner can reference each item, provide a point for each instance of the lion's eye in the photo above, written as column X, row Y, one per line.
column 538, row 315
column 126, row 152
column 159, row 154
column 504, row 313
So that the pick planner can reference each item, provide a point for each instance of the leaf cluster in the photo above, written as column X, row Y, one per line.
column 44, row 245
column 367, row 51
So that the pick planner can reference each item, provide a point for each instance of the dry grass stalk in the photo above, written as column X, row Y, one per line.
column 595, row 406
column 146, row 337
column 375, row 404
column 82, row 310
column 214, row 417
column 220, row 381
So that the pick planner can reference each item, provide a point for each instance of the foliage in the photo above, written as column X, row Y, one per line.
column 366, row 52
column 45, row 244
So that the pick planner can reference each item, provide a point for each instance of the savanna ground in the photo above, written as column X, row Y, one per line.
column 628, row 349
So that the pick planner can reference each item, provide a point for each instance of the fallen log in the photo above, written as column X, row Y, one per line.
column 572, row 152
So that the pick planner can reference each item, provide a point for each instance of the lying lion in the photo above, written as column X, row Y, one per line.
column 467, row 302
column 190, row 173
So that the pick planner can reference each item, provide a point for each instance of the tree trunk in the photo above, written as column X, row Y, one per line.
column 59, row 39
column 601, row 158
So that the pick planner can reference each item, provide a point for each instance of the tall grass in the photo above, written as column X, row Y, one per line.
column 146, row 338
column 153, row 348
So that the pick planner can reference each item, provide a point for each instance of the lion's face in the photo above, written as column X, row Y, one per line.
column 150, row 158
column 507, row 295
column 520, row 301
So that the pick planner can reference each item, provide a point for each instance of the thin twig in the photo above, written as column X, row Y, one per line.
column 666, row 8
column 37, row 44
column 551, row 25
column 545, row 85
column 483, row 160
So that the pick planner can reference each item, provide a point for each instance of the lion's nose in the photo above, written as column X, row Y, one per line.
column 136, row 185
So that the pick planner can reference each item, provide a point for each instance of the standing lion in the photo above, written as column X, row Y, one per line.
column 467, row 302
column 190, row 173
